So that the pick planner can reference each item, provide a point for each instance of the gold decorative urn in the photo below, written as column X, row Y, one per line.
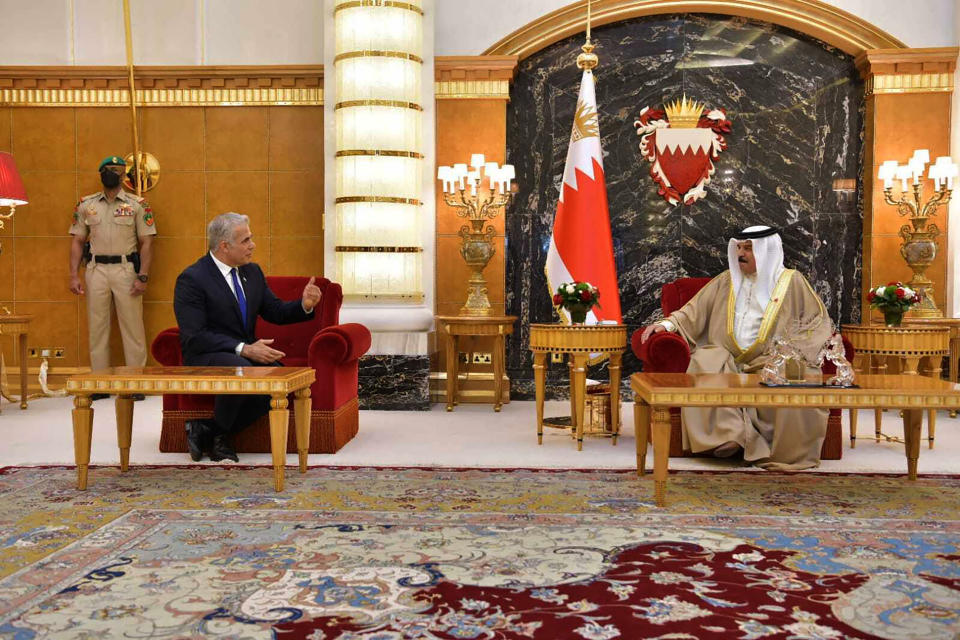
column 464, row 190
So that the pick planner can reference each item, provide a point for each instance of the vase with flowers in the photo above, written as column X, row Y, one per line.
column 893, row 300
column 577, row 298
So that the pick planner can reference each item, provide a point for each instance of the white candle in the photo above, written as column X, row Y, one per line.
column 477, row 160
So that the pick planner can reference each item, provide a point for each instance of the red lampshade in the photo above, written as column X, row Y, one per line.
column 11, row 186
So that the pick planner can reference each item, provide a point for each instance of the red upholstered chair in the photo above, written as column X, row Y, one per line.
column 332, row 349
column 669, row 353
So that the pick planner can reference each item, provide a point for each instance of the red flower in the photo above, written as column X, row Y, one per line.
column 557, row 299
column 870, row 297
column 900, row 292
column 586, row 296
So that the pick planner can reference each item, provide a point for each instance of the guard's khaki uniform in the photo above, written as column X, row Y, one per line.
column 113, row 229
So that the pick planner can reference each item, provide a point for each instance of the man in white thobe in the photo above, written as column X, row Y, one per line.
column 730, row 324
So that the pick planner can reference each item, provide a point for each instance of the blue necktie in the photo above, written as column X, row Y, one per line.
column 241, row 299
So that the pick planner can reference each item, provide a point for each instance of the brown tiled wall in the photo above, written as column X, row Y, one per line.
column 266, row 162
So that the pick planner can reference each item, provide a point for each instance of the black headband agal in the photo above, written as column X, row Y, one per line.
column 752, row 235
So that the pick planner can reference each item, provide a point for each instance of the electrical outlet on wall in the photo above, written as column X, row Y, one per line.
column 482, row 357
column 556, row 357
column 464, row 357
column 32, row 352
column 58, row 352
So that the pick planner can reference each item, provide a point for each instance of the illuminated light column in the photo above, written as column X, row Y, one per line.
column 379, row 222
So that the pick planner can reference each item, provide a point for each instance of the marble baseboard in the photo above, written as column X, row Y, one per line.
column 394, row 383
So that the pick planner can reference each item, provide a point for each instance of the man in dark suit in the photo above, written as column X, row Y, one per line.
column 217, row 300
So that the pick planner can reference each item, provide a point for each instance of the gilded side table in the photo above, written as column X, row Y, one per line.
column 456, row 326
column 911, row 343
column 580, row 341
column 952, row 360
column 17, row 326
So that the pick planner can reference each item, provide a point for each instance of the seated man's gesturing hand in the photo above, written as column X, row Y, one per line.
column 261, row 352
column 649, row 331
column 311, row 296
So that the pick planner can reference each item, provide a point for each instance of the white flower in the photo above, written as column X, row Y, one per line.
column 593, row 631
column 568, row 288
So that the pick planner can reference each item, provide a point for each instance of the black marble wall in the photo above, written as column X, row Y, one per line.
column 394, row 383
column 796, row 105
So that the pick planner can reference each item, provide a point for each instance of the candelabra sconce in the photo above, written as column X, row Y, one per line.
column 464, row 191
column 919, row 246
column 12, row 193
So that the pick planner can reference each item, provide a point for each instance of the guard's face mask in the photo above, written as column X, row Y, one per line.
column 109, row 179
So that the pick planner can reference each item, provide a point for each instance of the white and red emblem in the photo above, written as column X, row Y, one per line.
column 681, row 142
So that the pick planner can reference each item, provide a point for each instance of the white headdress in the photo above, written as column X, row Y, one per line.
column 768, row 250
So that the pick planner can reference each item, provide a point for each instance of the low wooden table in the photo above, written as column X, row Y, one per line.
column 655, row 393
column 494, row 326
column 912, row 345
column 580, row 341
column 276, row 382
column 18, row 325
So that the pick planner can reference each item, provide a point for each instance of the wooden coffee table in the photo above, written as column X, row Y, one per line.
column 655, row 393
column 276, row 382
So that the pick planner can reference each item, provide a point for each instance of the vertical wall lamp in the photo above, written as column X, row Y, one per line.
column 12, row 193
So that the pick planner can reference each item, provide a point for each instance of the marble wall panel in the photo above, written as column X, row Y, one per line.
column 797, row 110
column 394, row 383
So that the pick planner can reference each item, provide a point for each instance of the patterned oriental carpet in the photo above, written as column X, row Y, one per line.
column 373, row 553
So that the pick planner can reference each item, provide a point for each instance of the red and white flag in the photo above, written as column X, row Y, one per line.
column 581, row 247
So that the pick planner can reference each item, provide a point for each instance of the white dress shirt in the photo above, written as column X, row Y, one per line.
column 748, row 314
column 225, row 271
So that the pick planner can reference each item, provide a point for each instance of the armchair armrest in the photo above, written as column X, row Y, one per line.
column 338, row 344
column 165, row 348
column 663, row 352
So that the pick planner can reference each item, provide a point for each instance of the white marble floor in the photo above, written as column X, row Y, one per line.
column 471, row 436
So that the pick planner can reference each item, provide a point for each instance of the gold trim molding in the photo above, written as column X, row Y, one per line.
column 400, row 104
column 346, row 153
column 482, row 77
column 389, row 199
column 361, row 249
column 372, row 53
column 834, row 26
column 910, row 83
column 908, row 70
column 298, row 85
column 409, row 298
column 353, row 4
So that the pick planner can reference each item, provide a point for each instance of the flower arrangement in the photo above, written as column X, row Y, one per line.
column 893, row 301
column 577, row 298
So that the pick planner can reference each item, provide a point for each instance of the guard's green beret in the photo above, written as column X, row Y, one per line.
column 117, row 160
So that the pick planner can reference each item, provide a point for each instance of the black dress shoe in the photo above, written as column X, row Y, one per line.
column 98, row 396
column 199, row 438
column 222, row 450
column 137, row 397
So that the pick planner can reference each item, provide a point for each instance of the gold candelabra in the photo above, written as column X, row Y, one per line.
column 477, row 207
column 919, row 246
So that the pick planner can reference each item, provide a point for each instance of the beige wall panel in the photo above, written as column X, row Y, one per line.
column 296, row 203
column 236, row 138
column 259, row 32
column 35, row 32
column 53, row 199
column 242, row 192
column 170, row 257
column 296, row 256
column 98, row 32
column 41, row 270
column 178, row 204
column 8, row 252
column 102, row 132
column 174, row 135
column 6, row 129
column 296, row 138
column 166, row 33
column 44, row 139
column 54, row 325
column 157, row 316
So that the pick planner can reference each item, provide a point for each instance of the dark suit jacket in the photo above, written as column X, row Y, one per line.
column 209, row 316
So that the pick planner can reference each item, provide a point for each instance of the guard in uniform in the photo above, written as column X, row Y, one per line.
column 119, row 228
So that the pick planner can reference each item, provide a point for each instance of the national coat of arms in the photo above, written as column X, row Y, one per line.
column 681, row 142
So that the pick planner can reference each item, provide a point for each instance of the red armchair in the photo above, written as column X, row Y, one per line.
column 332, row 349
column 669, row 353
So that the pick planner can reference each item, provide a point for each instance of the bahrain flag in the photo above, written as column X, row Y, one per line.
column 581, row 247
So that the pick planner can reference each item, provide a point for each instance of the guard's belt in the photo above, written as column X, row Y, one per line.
column 114, row 259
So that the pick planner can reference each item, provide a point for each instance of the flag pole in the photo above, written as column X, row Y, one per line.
column 588, row 59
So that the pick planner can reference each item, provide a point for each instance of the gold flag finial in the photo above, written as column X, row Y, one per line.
column 683, row 113
column 588, row 59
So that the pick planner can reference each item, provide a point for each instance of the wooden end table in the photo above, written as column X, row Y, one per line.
column 953, row 360
column 580, row 342
column 17, row 326
column 456, row 326
column 276, row 382
column 656, row 393
column 912, row 344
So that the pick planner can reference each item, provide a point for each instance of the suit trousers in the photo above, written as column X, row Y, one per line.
column 106, row 282
column 231, row 413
